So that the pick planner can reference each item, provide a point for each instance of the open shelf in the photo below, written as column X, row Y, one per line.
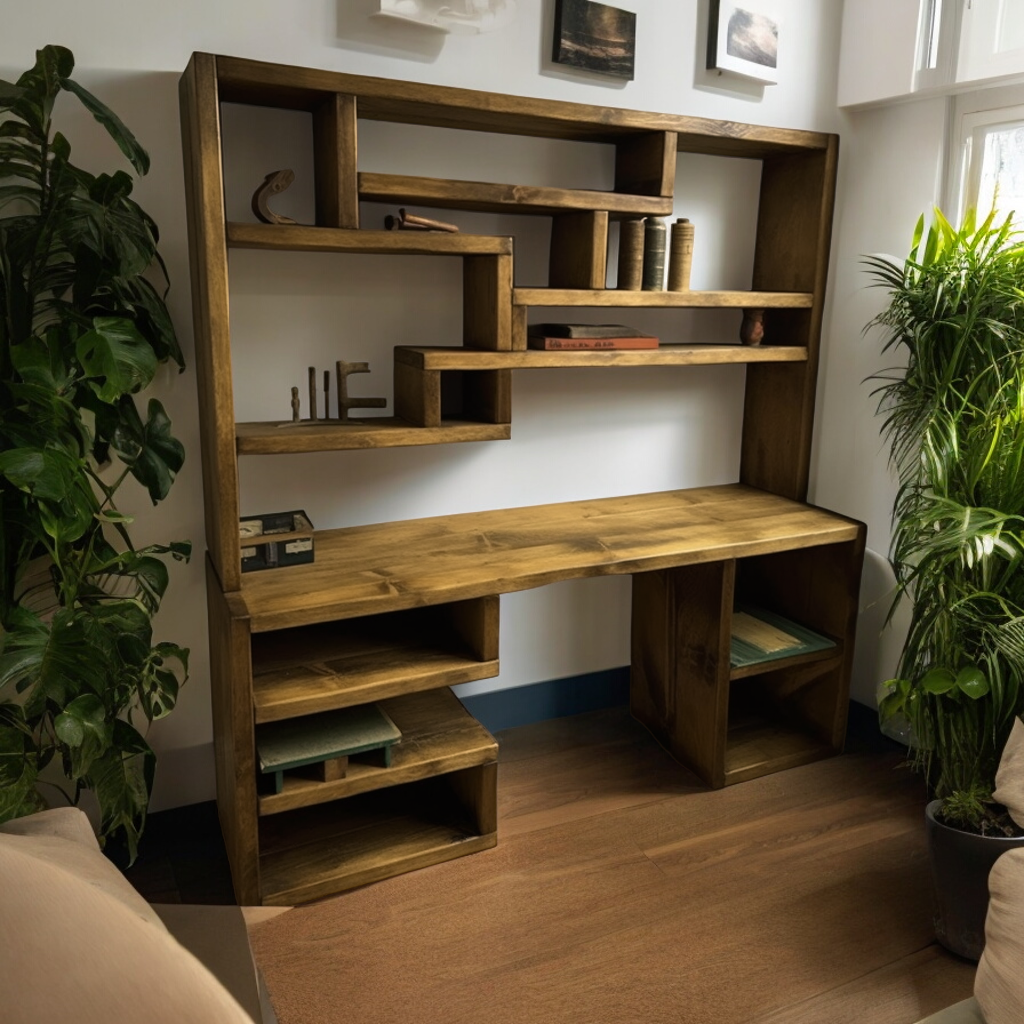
column 490, row 198
column 309, row 669
column 750, row 655
column 270, row 438
column 616, row 297
column 451, row 358
column 756, row 746
column 306, row 238
column 318, row 851
column 438, row 735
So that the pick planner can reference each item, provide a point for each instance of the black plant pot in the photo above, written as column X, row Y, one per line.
column 960, row 863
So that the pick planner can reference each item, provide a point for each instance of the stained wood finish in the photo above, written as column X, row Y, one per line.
column 302, row 238
column 658, row 300
column 579, row 250
column 487, row 396
column 204, row 187
column 487, row 302
column 792, row 249
column 519, row 328
column 438, row 736
column 384, row 99
column 646, row 164
column 679, row 686
column 389, row 566
column 418, row 395
column 338, row 664
column 234, row 746
column 335, row 161
column 493, row 198
column 452, row 358
column 373, row 432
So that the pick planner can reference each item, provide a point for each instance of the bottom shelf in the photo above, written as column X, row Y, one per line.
column 758, row 745
column 318, row 851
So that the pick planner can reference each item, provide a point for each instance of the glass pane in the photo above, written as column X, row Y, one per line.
column 1001, row 179
column 1010, row 35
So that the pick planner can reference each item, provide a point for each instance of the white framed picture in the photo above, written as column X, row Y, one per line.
column 743, row 39
column 465, row 16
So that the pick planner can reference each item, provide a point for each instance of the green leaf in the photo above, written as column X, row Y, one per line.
column 115, row 127
column 938, row 681
column 972, row 681
column 116, row 357
column 122, row 779
column 84, row 727
column 152, row 453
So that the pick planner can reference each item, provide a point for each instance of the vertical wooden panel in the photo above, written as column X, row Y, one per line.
column 487, row 302
column 645, row 165
column 207, row 242
column 477, row 790
column 679, row 683
column 234, row 745
column 579, row 250
column 519, row 328
column 791, row 254
column 417, row 395
column 334, row 153
column 476, row 621
column 487, row 396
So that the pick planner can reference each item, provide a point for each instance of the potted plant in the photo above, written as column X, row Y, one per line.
column 82, row 332
column 954, row 421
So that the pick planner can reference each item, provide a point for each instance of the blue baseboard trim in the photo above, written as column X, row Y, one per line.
column 556, row 698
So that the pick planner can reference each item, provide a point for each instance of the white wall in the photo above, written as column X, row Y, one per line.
column 587, row 433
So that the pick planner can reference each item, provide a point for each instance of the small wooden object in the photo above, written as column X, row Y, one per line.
column 411, row 222
column 654, row 255
column 752, row 328
column 273, row 183
column 680, row 256
column 345, row 403
column 323, row 743
column 631, row 254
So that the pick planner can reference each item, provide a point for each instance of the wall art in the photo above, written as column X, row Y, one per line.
column 743, row 38
column 595, row 37
column 466, row 16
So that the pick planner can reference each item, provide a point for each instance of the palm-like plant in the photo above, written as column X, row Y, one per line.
column 954, row 420
column 82, row 330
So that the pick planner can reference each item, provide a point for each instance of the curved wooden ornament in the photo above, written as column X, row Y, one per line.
column 276, row 181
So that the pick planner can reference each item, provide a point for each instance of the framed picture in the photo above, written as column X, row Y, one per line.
column 595, row 37
column 465, row 16
column 743, row 38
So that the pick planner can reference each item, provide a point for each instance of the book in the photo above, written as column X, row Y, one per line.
column 585, row 331
column 604, row 344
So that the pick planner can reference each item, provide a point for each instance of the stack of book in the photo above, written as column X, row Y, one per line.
column 559, row 337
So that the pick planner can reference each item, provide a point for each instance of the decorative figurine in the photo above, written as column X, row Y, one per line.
column 752, row 328
column 345, row 402
column 273, row 183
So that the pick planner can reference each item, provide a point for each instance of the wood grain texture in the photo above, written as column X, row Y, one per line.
column 335, row 160
column 659, row 300
column 579, row 250
column 302, row 238
column 417, row 395
column 291, row 87
column 438, row 735
column 451, row 358
column 646, row 164
column 487, row 197
column 487, row 302
column 386, row 567
column 234, row 747
column 373, row 432
column 200, row 133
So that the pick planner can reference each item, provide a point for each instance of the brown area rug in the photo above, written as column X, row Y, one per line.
column 701, row 908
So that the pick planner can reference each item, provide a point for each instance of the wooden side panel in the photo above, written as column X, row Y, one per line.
column 679, row 685
column 645, row 165
column 792, row 250
column 200, row 134
column 234, row 746
column 477, row 790
column 487, row 396
column 579, row 250
column 519, row 328
column 417, row 395
column 476, row 622
column 487, row 302
column 334, row 154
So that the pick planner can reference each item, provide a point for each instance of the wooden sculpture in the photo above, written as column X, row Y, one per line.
column 273, row 183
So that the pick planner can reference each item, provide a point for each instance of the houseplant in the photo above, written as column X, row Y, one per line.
column 82, row 331
column 954, row 420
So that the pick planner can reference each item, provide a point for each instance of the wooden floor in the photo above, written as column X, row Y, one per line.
column 623, row 891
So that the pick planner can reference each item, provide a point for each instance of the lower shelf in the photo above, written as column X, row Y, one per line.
column 757, row 746
column 308, row 854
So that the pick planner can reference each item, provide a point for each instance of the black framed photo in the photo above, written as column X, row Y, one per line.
column 743, row 38
column 595, row 37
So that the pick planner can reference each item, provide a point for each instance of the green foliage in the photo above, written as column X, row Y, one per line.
column 83, row 330
column 954, row 421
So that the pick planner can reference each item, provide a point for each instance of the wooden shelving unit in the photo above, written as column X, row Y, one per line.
column 396, row 613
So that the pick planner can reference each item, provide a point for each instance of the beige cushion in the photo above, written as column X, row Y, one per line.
column 999, row 983
column 1009, row 789
column 63, row 837
column 74, row 950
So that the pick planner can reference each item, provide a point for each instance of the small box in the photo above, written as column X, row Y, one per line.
column 275, row 540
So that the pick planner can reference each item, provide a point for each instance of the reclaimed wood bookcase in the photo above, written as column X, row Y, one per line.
column 397, row 613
